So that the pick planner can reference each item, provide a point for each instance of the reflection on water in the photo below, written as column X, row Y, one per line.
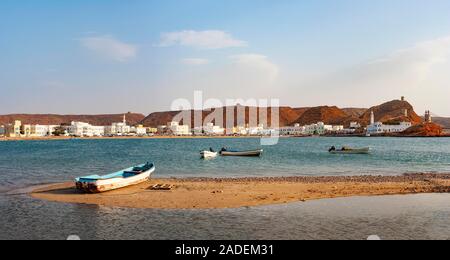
column 424, row 216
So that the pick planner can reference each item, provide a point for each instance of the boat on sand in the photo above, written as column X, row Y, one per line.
column 348, row 150
column 121, row 179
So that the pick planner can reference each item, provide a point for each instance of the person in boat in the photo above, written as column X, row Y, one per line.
column 333, row 148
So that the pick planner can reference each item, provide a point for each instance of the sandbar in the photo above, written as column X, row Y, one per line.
column 218, row 193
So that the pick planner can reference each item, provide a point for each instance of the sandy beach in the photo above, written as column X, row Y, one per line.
column 206, row 193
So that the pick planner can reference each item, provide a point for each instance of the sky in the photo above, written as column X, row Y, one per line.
column 99, row 56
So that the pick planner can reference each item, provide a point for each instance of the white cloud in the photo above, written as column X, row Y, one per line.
column 259, row 64
column 110, row 48
column 416, row 62
column 419, row 72
column 211, row 39
column 195, row 61
column 245, row 76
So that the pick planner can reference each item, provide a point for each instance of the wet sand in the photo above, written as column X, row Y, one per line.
column 207, row 193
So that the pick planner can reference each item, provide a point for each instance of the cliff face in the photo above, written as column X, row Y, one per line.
column 355, row 112
column 424, row 130
column 286, row 116
column 42, row 119
column 393, row 111
column 326, row 114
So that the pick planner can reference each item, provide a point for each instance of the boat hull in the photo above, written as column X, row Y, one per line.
column 208, row 155
column 100, row 186
column 352, row 151
column 255, row 153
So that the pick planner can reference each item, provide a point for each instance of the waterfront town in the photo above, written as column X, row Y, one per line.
column 82, row 129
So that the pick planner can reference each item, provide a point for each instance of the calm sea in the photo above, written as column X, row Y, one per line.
column 35, row 162
column 395, row 217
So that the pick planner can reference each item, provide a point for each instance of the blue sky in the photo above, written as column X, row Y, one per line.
column 103, row 56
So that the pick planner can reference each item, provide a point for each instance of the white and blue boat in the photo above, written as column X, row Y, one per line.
column 121, row 179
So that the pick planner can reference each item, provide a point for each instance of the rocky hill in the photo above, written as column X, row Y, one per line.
column 424, row 130
column 48, row 119
column 393, row 111
column 328, row 115
column 355, row 112
column 287, row 115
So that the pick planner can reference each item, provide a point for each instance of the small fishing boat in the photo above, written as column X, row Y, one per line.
column 121, row 179
column 208, row 154
column 347, row 150
column 251, row 153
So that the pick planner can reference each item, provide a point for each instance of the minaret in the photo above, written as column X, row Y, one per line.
column 372, row 118
column 428, row 116
column 124, row 120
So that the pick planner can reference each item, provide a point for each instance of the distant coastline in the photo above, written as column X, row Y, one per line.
column 62, row 138
column 394, row 118
column 56, row 138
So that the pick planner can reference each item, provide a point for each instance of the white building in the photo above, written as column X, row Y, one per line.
column 258, row 130
column 140, row 130
column 177, row 129
column 211, row 129
column 317, row 129
column 13, row 130
column 240, row 130
column 269, row 132
column 43, row 130
column 82, row 129
column 380, row 128
column 162, row 129
column 355, row 125
column 337, row 128
column 313, row 129
column 2, row 130
column 293, row 130
column 118, row 128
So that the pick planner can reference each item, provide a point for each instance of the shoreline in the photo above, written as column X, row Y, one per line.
column 54, row 138
column 221, row 193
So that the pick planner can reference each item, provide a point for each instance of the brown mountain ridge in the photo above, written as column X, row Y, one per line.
column 393, row 111
column 389, row 112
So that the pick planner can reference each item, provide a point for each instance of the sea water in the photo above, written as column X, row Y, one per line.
column 424, row 216
column 35, row 162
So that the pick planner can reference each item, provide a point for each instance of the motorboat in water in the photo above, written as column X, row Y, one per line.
column 208, row 154
column 250, row 153
column 121, row 179
column 348, row 150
